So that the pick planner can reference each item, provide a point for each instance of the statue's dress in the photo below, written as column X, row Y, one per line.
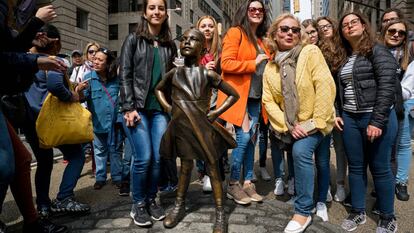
column 190, row 135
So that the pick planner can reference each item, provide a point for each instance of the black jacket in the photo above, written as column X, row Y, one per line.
column 375, row 78
column 136, row 69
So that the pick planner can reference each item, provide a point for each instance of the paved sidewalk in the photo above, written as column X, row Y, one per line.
column 269, row 216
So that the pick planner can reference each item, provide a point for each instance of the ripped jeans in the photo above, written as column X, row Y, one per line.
column 243, row 154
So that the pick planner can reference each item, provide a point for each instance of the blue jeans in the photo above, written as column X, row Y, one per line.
column 6, row 159
column 145, row 139
column 246, row 142
column 361, row 153
column 263, row 137
column 322, row 160
column 126, row 161
column 404, row 151
column 278, row 160
column 108, row 144
column 302, row 153
column 72, row 153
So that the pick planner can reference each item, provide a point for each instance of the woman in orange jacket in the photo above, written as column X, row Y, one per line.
column 243, row 61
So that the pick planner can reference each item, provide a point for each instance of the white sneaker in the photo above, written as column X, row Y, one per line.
column 291, row 186
column 322, row 211
column 264, row 174
column 207, row 184
column 329, row 195
column 279, row 187
column 295, row 227
column 340, row 194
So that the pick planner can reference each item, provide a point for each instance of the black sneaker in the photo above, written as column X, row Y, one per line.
column 354, row 219
column 157, row 212
column 69, row 205
column 124, row 189
column 44, row 226
column 401, row 192
column 387, row 226
column 43, row 212
column 140, row 215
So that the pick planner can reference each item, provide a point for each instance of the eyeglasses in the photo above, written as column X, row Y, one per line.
column 385, row 21
column 400, row 33
column 285, row 29
column 325, row 27
column 311, row 32
column 91, row 51
column 253, row 10
column 351, row 23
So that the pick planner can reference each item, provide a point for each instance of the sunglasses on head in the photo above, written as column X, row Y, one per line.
column 104, row 51
column 285, row 29
column 253, row 10
column 400, row 33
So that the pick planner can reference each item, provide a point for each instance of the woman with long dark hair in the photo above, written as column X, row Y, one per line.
column 366, row 84
column 242, row 64
column 146, row 56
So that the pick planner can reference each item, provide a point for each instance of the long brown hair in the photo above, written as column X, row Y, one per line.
column 331, row 48
column 367, row 41
column 143, row 30
column 405, row 59
column 215, row 46
column 241, row 20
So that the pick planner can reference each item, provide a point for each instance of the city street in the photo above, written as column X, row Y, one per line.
column 110, row 212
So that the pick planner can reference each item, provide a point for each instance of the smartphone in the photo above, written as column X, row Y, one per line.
column 44, row 2
column 309, row 125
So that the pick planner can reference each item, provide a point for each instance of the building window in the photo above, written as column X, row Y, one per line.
column 82, row 18
column 132, row 27
column 178, row 31
column 113, row 32
column 191, row 16
column 113, row 6
column 178, row 5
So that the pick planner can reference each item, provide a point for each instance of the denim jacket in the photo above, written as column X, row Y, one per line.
column 103, row 108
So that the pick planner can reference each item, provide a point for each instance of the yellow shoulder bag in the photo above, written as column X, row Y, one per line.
column 61, row 123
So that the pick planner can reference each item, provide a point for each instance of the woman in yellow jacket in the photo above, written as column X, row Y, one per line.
column 243, row 61
column 298, row 95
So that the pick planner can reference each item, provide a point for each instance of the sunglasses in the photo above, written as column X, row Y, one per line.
column 91, row 51
column 285, row 29
column 253, row 10
column 104, row 51
column 400, row 33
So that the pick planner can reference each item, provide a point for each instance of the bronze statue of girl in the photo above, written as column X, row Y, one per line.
column 192, row 132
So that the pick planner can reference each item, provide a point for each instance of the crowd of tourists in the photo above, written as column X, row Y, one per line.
column 301, row 85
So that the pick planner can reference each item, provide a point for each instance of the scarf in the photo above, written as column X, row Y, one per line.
column 287, row 63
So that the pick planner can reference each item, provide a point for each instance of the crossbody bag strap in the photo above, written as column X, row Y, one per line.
column 109, row 96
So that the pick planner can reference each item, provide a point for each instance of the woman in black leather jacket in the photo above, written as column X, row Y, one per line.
column 145, row 57
column 366, row 89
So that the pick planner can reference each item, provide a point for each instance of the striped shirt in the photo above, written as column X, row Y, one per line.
column 350, row 102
